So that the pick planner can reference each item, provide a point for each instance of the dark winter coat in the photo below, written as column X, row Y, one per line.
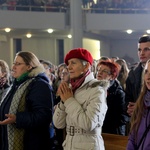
column 115, row 118
column 133, row 84
column 36, row 118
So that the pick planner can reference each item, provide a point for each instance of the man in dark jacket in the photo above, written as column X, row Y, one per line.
column 134, row 80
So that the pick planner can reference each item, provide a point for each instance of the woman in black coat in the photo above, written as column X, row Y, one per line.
column 115, row 118
column 26, row 110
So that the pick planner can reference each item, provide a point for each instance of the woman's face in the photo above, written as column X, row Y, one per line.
column 147, row 75
column 65, row 75
column 19, row 67
column 60, row 71
column 47, row 70
column 76, row 68
column 103, row 73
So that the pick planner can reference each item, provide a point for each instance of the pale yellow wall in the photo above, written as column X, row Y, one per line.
column 93, row 46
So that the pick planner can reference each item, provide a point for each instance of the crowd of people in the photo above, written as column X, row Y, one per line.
column 69, row 106
column 35, row 5
column 118, row 3
column 56, row 5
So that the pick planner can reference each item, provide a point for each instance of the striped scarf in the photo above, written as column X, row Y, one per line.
column 77, row 83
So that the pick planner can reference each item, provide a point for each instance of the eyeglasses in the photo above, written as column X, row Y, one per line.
column 17, row 64
column 104, row 72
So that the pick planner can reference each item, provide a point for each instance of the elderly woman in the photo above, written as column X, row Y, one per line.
column 26, row 110
column 83, row 105
column 115, row 118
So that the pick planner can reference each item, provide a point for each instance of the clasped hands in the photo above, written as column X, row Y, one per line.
column 11, row 118
column 64, row 91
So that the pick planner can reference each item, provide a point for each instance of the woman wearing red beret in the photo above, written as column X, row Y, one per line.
column 83, row 105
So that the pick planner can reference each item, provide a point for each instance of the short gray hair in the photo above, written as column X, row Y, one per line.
column 84, row 62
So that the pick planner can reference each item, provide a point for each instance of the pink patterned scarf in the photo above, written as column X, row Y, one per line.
column 77, row 83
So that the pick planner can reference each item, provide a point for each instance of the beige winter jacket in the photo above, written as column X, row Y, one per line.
column 83, row 116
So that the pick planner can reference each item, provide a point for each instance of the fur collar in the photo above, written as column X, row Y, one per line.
column 35, row 71
column 103, row 83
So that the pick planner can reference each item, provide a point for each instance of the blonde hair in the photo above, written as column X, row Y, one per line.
column 123, row 74
column 29, row 58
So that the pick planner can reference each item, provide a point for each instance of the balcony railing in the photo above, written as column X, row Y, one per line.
column 33, row 8
column 118, row 10
column 47, row 8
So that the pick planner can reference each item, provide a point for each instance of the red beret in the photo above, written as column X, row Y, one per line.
column 79, row 53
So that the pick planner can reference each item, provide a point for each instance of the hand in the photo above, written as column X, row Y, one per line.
column 11, row 118
column 64, row 91
column 130, row 107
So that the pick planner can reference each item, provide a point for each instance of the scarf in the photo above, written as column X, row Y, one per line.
column 15, row 136
column 22, row 77
column 77, row 83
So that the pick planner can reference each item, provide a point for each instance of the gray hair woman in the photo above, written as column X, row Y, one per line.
column 83, row 105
